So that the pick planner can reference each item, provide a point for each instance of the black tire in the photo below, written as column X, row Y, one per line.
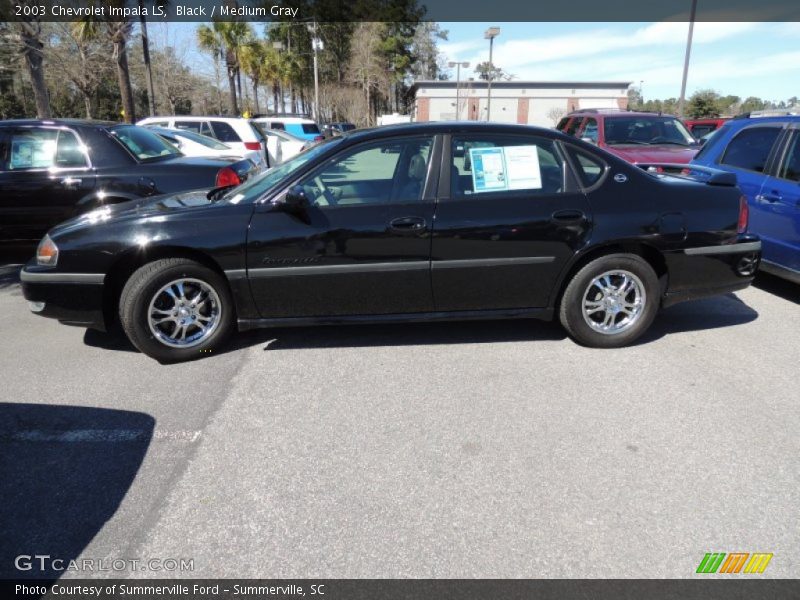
column 145, row 284
column 571, row 311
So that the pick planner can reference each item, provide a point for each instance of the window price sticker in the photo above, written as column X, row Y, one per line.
column 505, row 168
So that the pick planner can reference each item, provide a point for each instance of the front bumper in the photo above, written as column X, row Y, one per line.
column 71, row 298
column 711, row 270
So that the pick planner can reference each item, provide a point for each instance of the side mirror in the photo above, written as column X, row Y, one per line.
column 293, row 201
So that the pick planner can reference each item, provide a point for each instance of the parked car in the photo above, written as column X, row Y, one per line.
column 764, row 153
column 637, row 137
column 281, row 145
column 299, row 126
column 195, row 144
column 404, row 223
column 236, row 132
column 52, row 170
column 702, row 127
column 331, row 129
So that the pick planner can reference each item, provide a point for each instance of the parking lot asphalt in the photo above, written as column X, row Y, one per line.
column 477, row 449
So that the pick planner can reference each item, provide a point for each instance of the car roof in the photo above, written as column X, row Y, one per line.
column 620, row 114
column 59, row 122
column 434, row 127
column 190, row 118
column 746, row 121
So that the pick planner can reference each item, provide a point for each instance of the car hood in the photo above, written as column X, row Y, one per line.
column 655, row 153
column 155, row 206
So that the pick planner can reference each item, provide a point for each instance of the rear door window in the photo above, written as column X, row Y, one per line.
column 790, row 169
column 44, row 149
column 750, row 148
column 504, row 164
column 224, row 132
column 310, row 128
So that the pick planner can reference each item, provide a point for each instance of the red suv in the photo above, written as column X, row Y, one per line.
column 701, row 127
column 637, row 137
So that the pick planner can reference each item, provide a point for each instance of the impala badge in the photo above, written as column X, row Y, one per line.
column 620, row 178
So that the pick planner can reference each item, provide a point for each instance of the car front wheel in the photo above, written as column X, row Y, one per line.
column 176, row 309
column 611, row 301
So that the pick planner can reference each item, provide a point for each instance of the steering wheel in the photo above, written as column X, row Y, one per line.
column 325, row 192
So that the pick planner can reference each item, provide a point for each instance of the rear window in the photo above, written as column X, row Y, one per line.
column 224, row 132
column 277, row 125
column 750, row 148
column 573, row 125
column 310, row 128
column 143, row 143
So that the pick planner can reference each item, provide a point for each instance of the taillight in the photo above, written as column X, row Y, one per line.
column 227, row 177
column 252, row 145
column 318, row 138
column 744, row 215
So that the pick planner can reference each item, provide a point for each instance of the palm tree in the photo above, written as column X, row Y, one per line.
column 271, row 73
column 252, row 57
column 228, row 38
column 291, row 73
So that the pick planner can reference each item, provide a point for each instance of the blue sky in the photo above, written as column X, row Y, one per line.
column 745, row 59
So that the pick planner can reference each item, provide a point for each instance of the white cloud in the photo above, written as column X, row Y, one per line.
column 516, row 55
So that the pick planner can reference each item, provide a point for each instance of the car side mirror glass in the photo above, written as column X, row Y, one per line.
column 294, row 200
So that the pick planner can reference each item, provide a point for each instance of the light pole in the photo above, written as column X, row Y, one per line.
column 682, row 99
column 490, row 34
column 458, row 66
column 316, row 44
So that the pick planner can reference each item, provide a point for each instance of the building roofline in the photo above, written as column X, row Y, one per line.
column 482, row 84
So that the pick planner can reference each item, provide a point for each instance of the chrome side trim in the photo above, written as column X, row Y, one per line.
column 235, row 274
column 383, row 267
column 726, row 249
column 779, row 271
column 36, row 277
column 491, row 262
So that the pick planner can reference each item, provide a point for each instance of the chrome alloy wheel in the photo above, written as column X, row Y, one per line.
column 184, row 313
column 613, row 302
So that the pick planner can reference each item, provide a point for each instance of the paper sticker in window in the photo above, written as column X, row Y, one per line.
column 505, row 168
column 31, row 153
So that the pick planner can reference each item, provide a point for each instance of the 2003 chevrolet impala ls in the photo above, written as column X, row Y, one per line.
column 410, row 222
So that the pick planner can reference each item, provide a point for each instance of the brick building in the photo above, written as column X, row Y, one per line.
column 526, row 102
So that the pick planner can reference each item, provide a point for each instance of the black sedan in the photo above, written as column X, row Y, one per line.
column 53, row 170
column 402, row 223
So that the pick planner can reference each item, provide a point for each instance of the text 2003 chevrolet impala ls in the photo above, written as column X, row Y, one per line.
column 411, row 222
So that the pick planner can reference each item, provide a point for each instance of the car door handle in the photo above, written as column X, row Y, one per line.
column 569, row 215
column 769, row 198
column 407, row 224
column 71, row 182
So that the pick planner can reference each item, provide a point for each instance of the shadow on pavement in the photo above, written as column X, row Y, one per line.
column 699, row 315
column 64, row 472
column 779, row 287
column 409, row 334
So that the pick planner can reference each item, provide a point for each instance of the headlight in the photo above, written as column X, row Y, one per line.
column 47, row 252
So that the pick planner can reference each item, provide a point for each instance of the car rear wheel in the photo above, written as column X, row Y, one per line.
column 611, row 301
column 175, row 309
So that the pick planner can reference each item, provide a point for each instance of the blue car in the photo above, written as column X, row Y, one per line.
column 764, row 153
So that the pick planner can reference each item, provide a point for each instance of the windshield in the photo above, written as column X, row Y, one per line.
column 647, row 130
column 257, row 186
column 143, row 143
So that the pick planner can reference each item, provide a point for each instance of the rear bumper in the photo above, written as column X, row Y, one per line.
column 71, row 298
column 711, row 270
